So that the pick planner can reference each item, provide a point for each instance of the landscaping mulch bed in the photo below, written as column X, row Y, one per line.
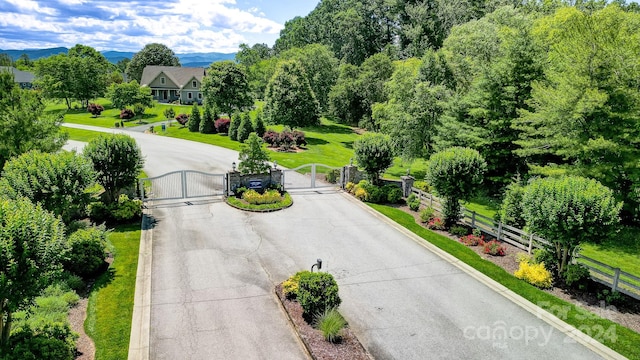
column 349, row 348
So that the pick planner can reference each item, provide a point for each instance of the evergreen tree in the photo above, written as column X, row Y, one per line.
column 209, row 116
column 245, row 128
column 233, row 126
column 194, row 119
column 259, row 126
column 289, row 98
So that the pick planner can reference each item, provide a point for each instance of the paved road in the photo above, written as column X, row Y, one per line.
column 214, row 269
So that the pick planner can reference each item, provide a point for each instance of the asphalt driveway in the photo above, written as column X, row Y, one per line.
column 213, row 269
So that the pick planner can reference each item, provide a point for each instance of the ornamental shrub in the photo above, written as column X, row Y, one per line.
column 427, row 214
column 330, row 323
column 494, row 247
column 255, row 198
column 234, row 125
column 472, row 240
column 87, row 252
column 459, row 230
column 360, row 193
column 259, row 127
column 534, row 274
column 271, row 138
column 576, row 275
column 436, row 224
column 245, row 128
column 169, row 113
column 290, row 286
column 222, row 125
column 126, row 114
column 511, row 208
column 182, row 119
column 394, row 195
column 95, row 109
column 350, row 186
column 374, row 152
column 333, row 176
column 414, row 202
column 207, row 123
column 195, row 118
column 317, row 292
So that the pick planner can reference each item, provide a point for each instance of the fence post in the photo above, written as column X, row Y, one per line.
column 473, row 219
column 616, row 277
column 183, row 178
column 313, row 176
column 499, row 230
column 431, row 200
column 530, row 243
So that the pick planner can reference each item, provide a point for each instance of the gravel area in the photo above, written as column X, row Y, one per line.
column 349, row 348
column 85, row 349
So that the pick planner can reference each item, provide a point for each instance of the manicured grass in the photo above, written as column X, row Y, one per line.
column 622, row 251
column 110, row 115
column 110, row 306
column 81, row 135
column 617, row 337
column 329, row 144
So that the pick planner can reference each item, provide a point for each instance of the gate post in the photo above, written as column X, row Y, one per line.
column 407, row 185
column 183, row 179
column 313, row 176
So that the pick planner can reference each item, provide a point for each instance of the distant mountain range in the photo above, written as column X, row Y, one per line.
column 189, row 60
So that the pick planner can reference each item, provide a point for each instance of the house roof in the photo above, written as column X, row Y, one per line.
column 19, row 75
column 181, row 76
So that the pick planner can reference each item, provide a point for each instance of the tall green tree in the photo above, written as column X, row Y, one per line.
column 320, row 66
column 60, row 182
column 117, row 160
column 289, row 98
column 32, row 245
column 249, row 56
column 245, row 128
column 373, row 152
column 568, row 211
column 584, row 116
column 129, row 94
column 345, row 101
column 209, row 116
column 456, row 174
column 226, row 86
column 195, row 118
column 254, row 158
column 151, row 54
column 25, row 126
column 81, row 74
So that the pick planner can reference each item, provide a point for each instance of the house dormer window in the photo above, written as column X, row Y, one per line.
column 194, row 84
column 162, row 80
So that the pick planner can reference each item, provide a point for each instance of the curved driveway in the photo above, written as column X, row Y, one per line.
column 214, row 269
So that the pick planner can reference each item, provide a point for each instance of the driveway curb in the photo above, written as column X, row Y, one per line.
column 141, row 319
column 569, row 330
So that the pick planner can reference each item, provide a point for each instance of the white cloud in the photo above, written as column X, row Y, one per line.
column 32, row 6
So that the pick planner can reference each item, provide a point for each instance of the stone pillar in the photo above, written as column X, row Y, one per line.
column 407, row 184
column 350, row 174
column 234, row 181
column 276, row 177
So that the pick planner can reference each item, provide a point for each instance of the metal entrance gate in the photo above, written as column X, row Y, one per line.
column 183, row 184
column 293, row 179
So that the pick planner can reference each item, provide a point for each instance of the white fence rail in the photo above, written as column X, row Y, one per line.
column 615, row 278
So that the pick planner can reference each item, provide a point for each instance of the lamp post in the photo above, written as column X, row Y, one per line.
column 317, row 265
column 233, row 166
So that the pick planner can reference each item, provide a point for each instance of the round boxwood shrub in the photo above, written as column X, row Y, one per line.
column 317, row 292
column 87, row 254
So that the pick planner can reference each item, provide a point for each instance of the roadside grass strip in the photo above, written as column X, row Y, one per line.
column 616, row 337
column 110, row 306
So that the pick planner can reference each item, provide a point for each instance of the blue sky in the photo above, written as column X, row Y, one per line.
column 127, row 25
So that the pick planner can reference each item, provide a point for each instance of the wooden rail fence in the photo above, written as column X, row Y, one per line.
column 610, row 276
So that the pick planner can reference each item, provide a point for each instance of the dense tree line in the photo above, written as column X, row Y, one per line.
column 538, row 88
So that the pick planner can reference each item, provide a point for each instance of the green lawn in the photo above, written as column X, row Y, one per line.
column 619, row 338
column 110, row 116
column 110, row 306
column 622, row 251
column 81, row 135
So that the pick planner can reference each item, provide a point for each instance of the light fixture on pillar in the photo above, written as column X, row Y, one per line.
column 233, row 166
column 275, row 164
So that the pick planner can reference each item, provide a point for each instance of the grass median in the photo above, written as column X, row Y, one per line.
column 110, row 306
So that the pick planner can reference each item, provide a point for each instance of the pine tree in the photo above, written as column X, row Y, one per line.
column 194, row 120
column 233, row 127
column 259, row 126
column 209, row 116
column 246, row 127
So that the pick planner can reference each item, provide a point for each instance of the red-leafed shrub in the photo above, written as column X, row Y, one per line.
column 270, row 137
column 95, row 109
column 435, row 224
column 182, row 119
column 472, row 240
column 494, row 247
column 298, row 138
column 222, row 125
column 127, row 114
